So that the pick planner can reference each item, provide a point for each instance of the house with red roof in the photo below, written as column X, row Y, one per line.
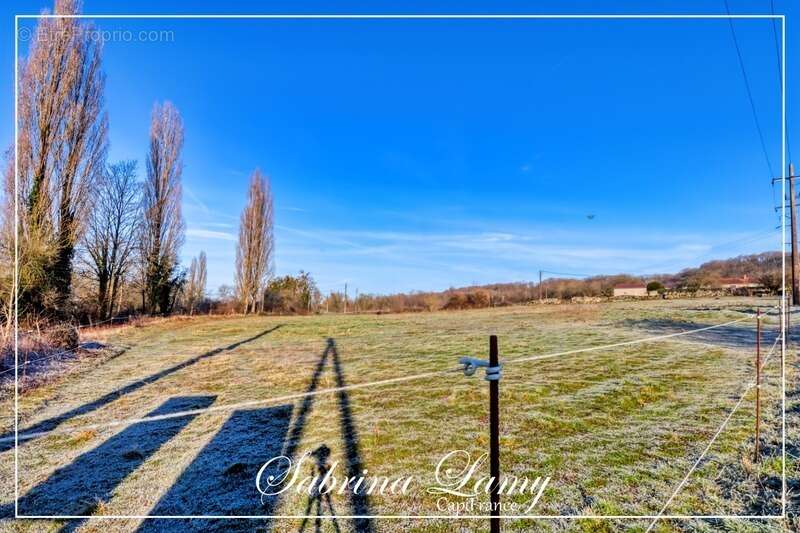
column 745, row 282
column 635, row 290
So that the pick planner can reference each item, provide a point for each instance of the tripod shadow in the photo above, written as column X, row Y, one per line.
column 221, row 480
column 52, row 423
column 359, row 501
column 80, row 487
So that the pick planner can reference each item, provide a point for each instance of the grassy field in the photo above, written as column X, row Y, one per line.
column 616, row 430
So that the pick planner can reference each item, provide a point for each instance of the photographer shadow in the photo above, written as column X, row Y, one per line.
column 317, row 498
column 221, row 479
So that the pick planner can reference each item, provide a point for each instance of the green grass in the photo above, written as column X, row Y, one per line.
column 616, row 430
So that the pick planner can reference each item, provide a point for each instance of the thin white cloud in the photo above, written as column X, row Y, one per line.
column 520, row 253
column 198, row 233
column 217, row 224
column 197, row 201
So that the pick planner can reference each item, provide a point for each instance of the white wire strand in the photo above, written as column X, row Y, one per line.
column 710, row 443
column 59, row 352
column 42, row 358
column 296, row 396
column 228, row 407
column 624, row 343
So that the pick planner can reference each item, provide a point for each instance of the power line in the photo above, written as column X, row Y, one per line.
column 780, row 72
column 567, row 274
column 749, row 92
column 747, row 239
column 775, row 203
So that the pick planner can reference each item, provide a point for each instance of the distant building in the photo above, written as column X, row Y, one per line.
column 637, row 290
column 744, row 282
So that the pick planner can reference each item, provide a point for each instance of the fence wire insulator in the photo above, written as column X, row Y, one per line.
column 471, row 365
column 493, row 373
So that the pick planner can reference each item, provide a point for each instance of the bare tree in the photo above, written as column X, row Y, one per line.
column 190, row 290
column 163, row 229
column 62, row 142
column 196, row 282
column 254, row 253
column 109, row 240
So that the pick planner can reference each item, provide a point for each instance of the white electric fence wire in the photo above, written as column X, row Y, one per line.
column 77, row 326
column 624, row 343
column 59, row 352
column 42, row 358
column 710, row 443
column 228, row 407
column 402, row 379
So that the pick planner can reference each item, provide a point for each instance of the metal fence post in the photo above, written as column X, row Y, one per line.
column 494, row 437
column 493, row 373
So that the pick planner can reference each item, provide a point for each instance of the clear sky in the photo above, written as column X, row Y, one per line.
column 416, row 155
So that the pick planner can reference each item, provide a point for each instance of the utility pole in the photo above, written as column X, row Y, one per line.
column 345, row 298
column 795, row 260
column 540, row 286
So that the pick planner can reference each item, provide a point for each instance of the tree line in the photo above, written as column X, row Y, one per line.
column 91, row 237
column 763, row 268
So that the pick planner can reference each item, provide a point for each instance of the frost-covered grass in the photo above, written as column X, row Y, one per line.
column 616, row 430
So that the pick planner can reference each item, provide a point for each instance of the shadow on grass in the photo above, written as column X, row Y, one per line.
column 7, row 439
column 80, row 487
column 724, row 336
column 221, row 479
column 321, row 502
column 359, row 502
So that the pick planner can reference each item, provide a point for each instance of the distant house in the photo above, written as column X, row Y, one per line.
column 744, row 282
column 630, row 289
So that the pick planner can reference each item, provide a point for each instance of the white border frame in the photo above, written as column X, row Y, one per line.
column 782, row 18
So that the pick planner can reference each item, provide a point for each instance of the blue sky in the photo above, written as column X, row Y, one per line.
column 420, row 155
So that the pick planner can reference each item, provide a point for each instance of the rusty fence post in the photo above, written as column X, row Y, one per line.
column 788, row 323
column 758, row 386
